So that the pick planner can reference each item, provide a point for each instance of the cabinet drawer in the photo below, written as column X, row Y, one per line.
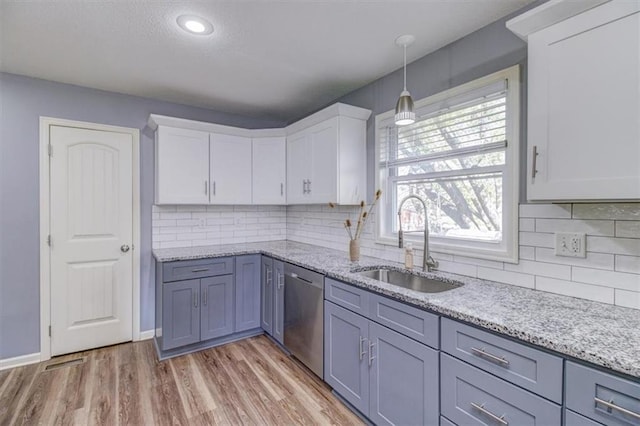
column 602, row 397
column 532, row 369
column 190, row 269
column 573, row 419
column 412, row 322
column 472, row 397
column 347, row 296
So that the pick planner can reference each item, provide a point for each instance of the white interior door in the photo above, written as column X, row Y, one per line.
column 91, row 198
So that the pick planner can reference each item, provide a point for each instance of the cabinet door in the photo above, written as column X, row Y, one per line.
column 247, row 280
column 584, row 106
column 269, row 170
column 278, row 301
column 216, row 307
column 230, row 169
column 298, row 167
column 182, row 166
column 404, row 379
column 323, row 187
column 346, row 357
column 266, row 295
column 180, row 313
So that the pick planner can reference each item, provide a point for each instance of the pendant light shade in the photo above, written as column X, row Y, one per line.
column 404, row 107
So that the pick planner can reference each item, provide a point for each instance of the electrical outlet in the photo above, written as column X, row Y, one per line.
column 571, row 244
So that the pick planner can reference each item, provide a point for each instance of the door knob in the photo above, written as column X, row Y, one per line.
column 124, row 248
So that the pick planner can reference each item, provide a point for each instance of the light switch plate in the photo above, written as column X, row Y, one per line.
column 571, row 244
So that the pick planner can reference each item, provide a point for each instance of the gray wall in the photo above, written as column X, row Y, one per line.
column 22, row 101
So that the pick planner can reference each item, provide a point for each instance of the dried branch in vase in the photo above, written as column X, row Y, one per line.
column 363, row 215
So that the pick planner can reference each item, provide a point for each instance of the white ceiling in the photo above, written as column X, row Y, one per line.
column 273, row 59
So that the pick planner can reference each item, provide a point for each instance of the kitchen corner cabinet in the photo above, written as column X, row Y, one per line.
column 247, row 280
column 584, row 103
column 272, row 298
column 230, row 169
column 182, row 166
column 388, row 377
column 269, row 170
column 326, row 160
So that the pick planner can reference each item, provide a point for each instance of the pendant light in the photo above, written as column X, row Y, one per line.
column 404, row 108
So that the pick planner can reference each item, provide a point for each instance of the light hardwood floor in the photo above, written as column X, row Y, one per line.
column 247, row 382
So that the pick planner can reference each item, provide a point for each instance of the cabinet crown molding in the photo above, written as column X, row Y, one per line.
column 548, row 14
column 337, row 109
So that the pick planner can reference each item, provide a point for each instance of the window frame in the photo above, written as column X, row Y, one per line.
column 507, row 249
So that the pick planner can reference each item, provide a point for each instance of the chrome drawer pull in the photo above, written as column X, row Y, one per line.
column 371, row 356
column 362, row 340
column 483, row 410
column 610, row 404
column 200, row 270
column 491, row 357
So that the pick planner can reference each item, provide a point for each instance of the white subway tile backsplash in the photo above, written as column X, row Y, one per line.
column 610, row 272
column 629, row 264
column 551, row 211
column 625, row 246
column 589, row 227
column 606, row 278
column 628, row 229
column 610, row 211
column 593, row 260
column 570, row 288
column 514, row 278
column 628, row 299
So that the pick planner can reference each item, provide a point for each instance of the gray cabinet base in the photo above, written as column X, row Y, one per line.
column 183, row 350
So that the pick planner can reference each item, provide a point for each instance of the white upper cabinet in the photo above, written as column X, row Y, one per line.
column 584, row 100
column 269, row 170
column 230, row 169
column 182, row 166
column 326, row 157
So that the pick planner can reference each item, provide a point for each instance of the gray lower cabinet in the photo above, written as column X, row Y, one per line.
column 266, row 295
column 272, row 298
column 181, row 313
column 471, row 396
column 247, row 292
column 216, row 306
column 387, row 376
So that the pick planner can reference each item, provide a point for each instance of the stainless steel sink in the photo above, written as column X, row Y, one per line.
column 410, row 281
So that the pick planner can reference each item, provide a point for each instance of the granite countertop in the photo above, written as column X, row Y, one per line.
column 602, row 334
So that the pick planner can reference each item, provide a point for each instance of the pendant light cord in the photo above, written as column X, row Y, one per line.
column 405, row 67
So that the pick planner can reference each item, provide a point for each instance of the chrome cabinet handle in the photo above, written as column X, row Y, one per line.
column 483, row 410
column 200, row 270
column 124, row 248
column 282, row 189
column 611, row 405
column 309, row 186
column 489, row 356
column 362, row 351
column 214, row 187
column 534, row 164
column 204, row 297
column 269, row 278
column 195, row 300
column 206, row 187
column 280, row 281
column 371, row 356
column 304, row 187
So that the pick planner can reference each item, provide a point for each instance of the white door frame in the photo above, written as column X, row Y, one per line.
column 45, row 224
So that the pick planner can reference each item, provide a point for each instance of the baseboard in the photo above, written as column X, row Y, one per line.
column 147, row 334
column 19, row 361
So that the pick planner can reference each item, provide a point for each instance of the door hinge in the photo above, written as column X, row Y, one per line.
column 50, row 150
column 49, row 331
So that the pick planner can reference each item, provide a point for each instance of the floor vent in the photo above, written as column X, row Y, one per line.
column 62, row 364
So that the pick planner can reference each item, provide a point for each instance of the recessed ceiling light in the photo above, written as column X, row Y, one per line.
column 195, row 24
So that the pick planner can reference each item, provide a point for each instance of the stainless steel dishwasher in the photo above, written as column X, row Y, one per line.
column 303, row 316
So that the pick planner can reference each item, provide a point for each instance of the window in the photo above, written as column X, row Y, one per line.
column 461, row 157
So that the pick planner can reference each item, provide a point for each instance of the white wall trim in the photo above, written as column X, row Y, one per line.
column 147, row 334
column 45, row 260
column 19, row 361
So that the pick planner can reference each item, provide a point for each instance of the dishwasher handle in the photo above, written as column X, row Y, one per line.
column 293, row 275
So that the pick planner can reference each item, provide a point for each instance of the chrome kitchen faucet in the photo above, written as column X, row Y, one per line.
column 428, row 262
